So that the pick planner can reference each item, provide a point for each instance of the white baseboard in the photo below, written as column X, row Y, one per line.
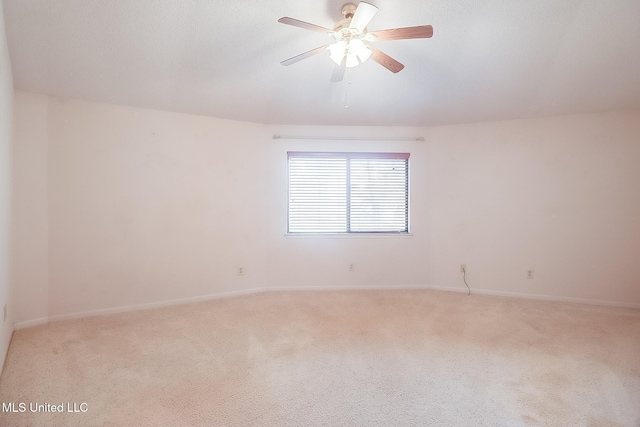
column 345, row 288
column 190, row 300
column 553, row 298
column 157, row 304
column 30, row 323
column 232, row 294
column 5, row 351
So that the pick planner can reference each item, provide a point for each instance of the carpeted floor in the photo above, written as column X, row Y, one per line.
column 351, row 358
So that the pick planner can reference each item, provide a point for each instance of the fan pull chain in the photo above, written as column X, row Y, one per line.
column 346, row 95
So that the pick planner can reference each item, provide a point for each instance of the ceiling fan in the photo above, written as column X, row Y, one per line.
column 351, row 39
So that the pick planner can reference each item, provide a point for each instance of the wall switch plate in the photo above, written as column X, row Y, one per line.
column 240, row 271
column 529, row 274
column 352, row 267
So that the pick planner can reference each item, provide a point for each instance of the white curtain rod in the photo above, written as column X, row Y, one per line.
column 351, row 138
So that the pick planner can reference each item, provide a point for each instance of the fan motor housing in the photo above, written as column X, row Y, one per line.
column 341, row 24
column 348, row 10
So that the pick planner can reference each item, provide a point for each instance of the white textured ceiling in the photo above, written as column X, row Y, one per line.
column 487, row 60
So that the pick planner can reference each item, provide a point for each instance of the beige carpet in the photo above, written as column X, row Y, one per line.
column 352, row 358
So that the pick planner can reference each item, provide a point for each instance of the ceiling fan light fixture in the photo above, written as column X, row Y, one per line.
column 355, row 51
column 349, row 36
column 337, row 51
column 359, row 50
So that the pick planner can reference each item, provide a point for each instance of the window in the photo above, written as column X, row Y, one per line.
column 348, row 192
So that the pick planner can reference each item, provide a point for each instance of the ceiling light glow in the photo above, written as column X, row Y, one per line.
column 354, row 49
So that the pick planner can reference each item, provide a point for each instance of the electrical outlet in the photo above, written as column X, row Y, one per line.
column 4, row 309
column 463, row 268
column 240, row 271
column 529, row 274
column 352, row 267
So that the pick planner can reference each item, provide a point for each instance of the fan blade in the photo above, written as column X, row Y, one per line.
column 338, row 72
column 385, row 60
column 420, row 32
column 305, row 25
column 364, row 14
column 305, row 55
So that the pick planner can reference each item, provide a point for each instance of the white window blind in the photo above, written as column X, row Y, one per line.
column 348, row 192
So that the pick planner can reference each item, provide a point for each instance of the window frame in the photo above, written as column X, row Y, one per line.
column 348, row 155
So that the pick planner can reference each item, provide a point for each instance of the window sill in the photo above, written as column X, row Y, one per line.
column 348, row 235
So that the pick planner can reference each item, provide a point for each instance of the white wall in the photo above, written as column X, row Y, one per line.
column 324, row 262
column 147, row 206
column 30, row 213
column 556, row 195
column 6, row 94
